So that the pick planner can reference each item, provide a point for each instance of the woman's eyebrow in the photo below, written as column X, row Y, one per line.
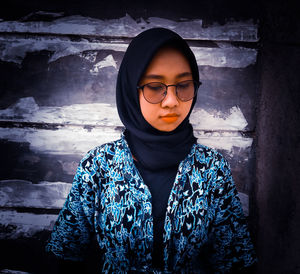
column 184, row 74
column 159, row 77
column 153, row 76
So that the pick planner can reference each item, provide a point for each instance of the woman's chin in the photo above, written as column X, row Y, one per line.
column 167, row 127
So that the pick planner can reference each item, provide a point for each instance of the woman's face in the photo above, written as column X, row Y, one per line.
column 168, row 66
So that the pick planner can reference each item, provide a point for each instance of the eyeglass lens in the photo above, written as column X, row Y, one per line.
column 155, row 92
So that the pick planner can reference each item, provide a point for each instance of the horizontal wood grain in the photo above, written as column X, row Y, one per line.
column 14, row 225
column 127, row 27
column 20, row 193
column 101, row 114
column 66, row 140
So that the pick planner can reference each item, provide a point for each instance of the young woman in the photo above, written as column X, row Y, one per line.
column 155, row 199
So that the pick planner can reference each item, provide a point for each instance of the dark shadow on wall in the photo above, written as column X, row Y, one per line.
column 278, row 140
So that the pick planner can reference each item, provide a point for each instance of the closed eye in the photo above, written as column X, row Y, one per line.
column 156, row 87
column 185, row 84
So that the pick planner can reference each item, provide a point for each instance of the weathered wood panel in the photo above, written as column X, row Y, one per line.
column 57, row 102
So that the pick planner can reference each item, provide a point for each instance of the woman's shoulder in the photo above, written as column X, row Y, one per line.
column 210, row 156
column 101, row 158
column 206, row 151
column 107, row 148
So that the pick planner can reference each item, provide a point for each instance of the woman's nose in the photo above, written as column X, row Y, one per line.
column 171, row 99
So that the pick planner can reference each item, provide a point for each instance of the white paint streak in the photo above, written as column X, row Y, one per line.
column 65, row 141
column 24, row 224
column 108, row 61
column 217, row 120
column 128, row 27
column 26, row 109
column 228, row 141
column 225, row 57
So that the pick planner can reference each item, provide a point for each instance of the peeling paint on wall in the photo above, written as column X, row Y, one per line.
column 15, row 50
column 108, row 61
column 217, row 120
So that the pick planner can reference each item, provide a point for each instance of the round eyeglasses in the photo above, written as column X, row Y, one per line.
column 155, row 92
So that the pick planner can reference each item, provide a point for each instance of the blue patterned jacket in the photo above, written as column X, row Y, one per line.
column 204, row 225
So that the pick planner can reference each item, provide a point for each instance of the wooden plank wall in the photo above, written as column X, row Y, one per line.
column 57, row 101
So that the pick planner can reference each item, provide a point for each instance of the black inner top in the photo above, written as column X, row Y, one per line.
column 160, row 183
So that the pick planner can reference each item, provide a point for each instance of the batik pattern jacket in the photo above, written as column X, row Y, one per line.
column 204, row 224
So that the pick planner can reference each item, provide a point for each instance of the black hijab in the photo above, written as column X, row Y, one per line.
column 152, row 148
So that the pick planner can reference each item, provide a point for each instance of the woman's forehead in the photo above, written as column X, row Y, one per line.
column 166, row 61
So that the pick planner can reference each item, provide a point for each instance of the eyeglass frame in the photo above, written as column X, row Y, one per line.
column 198, row 84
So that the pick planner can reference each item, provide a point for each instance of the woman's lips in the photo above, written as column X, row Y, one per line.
column 170, row 118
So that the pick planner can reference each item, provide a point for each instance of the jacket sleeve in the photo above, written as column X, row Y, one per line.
column 73, row 229
column 232, row 247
